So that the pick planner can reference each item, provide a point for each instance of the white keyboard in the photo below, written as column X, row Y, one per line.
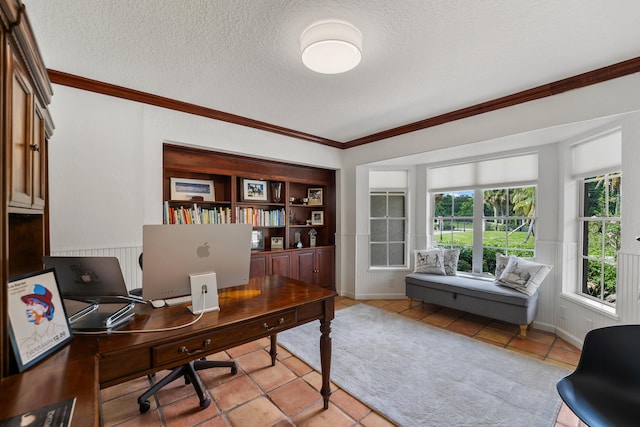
column 177, row 300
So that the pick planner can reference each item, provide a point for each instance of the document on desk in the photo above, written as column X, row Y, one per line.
column 58, row 414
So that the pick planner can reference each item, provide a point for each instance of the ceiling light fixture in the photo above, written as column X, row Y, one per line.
column 331, row 47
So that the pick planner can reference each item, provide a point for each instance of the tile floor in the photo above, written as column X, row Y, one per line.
column 287, row 394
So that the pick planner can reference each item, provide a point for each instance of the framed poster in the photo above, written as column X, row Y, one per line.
column 197, row 190
column 315, row 196
column 38, row 323
column 254, row 189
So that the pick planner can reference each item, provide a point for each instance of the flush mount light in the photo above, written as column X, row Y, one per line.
column 331, row 47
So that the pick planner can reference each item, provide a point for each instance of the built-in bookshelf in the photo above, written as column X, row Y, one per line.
column 292, row 207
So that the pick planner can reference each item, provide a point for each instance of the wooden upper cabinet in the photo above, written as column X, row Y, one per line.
column 21, row 95
column 27, row 148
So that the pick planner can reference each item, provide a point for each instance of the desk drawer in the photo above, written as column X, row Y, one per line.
column 200, row 345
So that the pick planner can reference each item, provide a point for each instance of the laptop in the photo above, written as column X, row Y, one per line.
column 90, row 279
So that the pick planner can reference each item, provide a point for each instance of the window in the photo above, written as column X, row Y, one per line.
column 485, row 221
column 509, row 219
column 600, row 236
column 387, row 229
column 453, row 224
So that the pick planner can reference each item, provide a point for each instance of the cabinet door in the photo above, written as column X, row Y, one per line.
column 306, row 265
column 324, row 268
column 281, row 263
column 21, row 95
column 39, row 158
column 259, row 266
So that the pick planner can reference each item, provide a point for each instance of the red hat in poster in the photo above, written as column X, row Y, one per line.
column 41, row 295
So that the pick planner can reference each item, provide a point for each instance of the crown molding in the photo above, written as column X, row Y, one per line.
column 83, row 83
column 620, row 69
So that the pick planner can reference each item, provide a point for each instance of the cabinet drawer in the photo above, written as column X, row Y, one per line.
column 198, row 346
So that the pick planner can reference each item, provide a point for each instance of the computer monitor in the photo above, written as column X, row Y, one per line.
column 172, row 252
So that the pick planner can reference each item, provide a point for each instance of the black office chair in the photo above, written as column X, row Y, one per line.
column 604, row 390
column 188, row 371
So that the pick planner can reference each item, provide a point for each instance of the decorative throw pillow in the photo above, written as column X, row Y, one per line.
column 524, row 276
column 501, row 263
column 429, row 261
column 451, row 257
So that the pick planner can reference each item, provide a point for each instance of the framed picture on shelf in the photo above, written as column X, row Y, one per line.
column 257, row 240
column 38, row 323
column 197, row 190
column 315, row 196
column 277, row 243
column 254, row 190
column 317, row 218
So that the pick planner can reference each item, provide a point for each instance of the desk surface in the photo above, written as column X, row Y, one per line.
column 264, row 307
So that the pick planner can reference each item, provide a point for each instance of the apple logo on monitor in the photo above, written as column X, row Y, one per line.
column 203, row 250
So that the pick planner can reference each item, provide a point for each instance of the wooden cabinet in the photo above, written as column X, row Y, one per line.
column 316, row 265
column 27, row 139
column 25, row 92
column 286, row 203
column 268, row 263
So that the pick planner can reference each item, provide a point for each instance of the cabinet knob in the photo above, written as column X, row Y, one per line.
column 35, row 147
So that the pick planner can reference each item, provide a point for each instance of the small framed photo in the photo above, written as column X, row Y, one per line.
column 277, row 243
column 38, row 322
column 192, row 189
column 317, row 218
column 315, row 196
column 254, row 189
column 257, row 240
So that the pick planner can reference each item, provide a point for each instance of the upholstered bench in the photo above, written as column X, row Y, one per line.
column 477, row 296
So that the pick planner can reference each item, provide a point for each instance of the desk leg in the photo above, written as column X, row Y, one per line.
column 274, row 349
column 325, row 360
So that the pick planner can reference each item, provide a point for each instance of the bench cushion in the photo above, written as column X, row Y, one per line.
column 476, row 288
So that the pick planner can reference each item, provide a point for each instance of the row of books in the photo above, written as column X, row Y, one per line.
column 222, row 215
column 196, row 215
column 261, row 217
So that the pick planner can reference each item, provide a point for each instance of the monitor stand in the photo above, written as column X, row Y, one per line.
column 204, row 292
column 91, row 318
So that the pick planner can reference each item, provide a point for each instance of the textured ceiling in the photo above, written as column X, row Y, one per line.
column 421, row 58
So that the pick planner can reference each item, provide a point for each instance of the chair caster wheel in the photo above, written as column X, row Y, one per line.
column 204, row 404
column 234, row 370
column 145, row 406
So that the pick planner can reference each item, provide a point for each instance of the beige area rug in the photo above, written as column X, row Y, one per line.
column 419, row 375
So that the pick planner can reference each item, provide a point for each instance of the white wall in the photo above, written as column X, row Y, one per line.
column 105, row 164
column 106, row 173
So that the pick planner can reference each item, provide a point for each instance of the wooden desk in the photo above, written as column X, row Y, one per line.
column 264, row 307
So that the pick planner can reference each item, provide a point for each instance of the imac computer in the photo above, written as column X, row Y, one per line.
column 175, row 256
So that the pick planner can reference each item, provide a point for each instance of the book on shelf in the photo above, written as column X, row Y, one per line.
column 59, row 415
column 261, row 217
column 196, row 215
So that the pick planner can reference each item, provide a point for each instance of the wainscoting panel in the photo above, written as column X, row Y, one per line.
column 628, row 290
column 127, row 256
column 575, row 318
column 376, row 284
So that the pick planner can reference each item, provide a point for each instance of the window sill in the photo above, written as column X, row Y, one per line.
column 390, row 268
column 596, row 306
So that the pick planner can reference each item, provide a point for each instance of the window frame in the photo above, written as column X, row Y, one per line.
column 387, row 242
column 583, row 245
column 478, row 220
